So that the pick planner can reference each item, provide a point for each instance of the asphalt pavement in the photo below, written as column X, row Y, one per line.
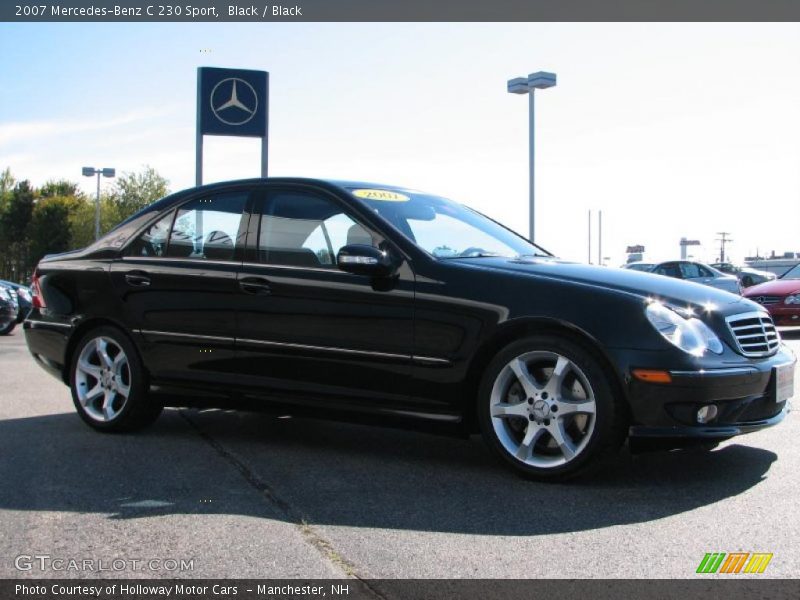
column 217, row 494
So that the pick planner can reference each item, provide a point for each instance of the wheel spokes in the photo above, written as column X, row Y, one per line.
column 556, row 380
column 101, row 348
column 89, row 369
column 562, row 439
column 104, row 365
column 542, row 393
column 523, row 375
column 532, row 435
column 505, row 409
column 108, row 404
column 579, row 407
column 88, row 398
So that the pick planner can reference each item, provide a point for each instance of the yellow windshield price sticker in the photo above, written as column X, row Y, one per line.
column 385, row 195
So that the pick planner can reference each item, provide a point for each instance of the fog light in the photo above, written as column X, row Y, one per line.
column 707, row 413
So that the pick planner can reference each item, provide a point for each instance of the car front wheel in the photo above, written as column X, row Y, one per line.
column 108, row 383
column 547, row 410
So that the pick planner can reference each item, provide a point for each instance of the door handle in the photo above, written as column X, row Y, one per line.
column 137, row 279
column 254, row 285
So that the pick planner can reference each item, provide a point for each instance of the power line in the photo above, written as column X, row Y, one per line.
column 723, row 239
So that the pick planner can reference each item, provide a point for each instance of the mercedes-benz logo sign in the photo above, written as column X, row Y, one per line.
column 760, row 299
column 234, row 101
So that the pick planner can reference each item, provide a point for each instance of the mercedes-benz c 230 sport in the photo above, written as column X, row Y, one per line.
column 347, row 298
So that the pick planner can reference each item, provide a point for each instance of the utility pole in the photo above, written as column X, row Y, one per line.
column 723, row 239
column 590, row 236
column 600, row 237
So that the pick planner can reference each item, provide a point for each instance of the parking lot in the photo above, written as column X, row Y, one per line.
column 250, row 495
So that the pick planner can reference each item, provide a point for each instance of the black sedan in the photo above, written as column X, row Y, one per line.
column 344, row 298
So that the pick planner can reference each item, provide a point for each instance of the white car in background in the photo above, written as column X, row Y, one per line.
column 690, row 270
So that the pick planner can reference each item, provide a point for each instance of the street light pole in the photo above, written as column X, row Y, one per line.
column 527, row 85
column 105, row 172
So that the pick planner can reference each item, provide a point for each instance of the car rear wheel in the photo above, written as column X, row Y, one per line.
column 108, row 383
column 8, row 328
column 547, row 410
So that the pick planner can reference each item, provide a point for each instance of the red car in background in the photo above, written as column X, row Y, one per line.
column 780, row 297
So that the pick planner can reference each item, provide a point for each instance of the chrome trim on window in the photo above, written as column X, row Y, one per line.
column 204, row 261
column 332, row 269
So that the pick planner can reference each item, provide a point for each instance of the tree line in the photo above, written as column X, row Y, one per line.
column 58, row 216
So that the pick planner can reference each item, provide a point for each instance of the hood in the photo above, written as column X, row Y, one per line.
column 777, row 287
column 647, row 285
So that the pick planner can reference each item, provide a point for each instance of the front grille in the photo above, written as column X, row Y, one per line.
column 766, row 300
column 755, row 333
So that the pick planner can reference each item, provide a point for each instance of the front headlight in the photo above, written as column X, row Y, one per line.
column 793, row 299
column 689, row 334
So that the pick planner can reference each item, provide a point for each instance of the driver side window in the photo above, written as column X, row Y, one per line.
column 303, row 230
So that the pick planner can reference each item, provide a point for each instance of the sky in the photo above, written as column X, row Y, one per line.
column 672, row 130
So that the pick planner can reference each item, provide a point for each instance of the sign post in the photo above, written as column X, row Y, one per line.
column 233, row 102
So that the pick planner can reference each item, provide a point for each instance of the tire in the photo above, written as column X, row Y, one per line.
column 8, row 328
column 109, row 384
column 544, row 426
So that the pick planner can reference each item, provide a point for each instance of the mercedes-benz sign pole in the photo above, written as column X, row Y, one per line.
column 527, row 85
column 232, row 102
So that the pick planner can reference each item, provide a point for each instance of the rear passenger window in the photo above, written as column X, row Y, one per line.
column 303, row 230
column 153, row 242
column 208, row 228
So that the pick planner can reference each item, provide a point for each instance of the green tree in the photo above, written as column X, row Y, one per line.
column 60, row 187
column 81, row 219
column 134, row 191
column 49, row 230
column 7, row 181
column 14, row 221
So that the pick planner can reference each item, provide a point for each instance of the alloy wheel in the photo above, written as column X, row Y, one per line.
column 543, row 409
column 103, row 379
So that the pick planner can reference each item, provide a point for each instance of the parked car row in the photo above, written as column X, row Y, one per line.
column 330, row 298
column 689, row 270
column 15, row 304
column 747, row 276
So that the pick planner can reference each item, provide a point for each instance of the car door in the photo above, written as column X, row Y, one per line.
column 305, row 328
column 177, row 283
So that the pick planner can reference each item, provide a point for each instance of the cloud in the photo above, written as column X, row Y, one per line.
column 28, row 130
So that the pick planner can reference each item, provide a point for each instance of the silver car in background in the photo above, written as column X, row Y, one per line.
column 690, row 270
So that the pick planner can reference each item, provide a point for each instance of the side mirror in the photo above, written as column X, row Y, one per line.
column 361, row 259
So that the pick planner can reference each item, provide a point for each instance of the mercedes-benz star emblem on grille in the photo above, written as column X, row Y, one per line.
column 234, row 101
column 760, row 299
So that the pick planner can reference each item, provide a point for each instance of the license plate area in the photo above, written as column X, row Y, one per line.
column 784, row 382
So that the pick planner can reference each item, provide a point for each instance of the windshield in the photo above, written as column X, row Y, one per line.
column 793, row 273
column 444, row 228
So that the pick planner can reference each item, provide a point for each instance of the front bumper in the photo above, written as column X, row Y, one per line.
column 783, row 314
column 745, row 397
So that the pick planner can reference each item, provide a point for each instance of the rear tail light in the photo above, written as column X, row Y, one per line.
column 36, row 292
